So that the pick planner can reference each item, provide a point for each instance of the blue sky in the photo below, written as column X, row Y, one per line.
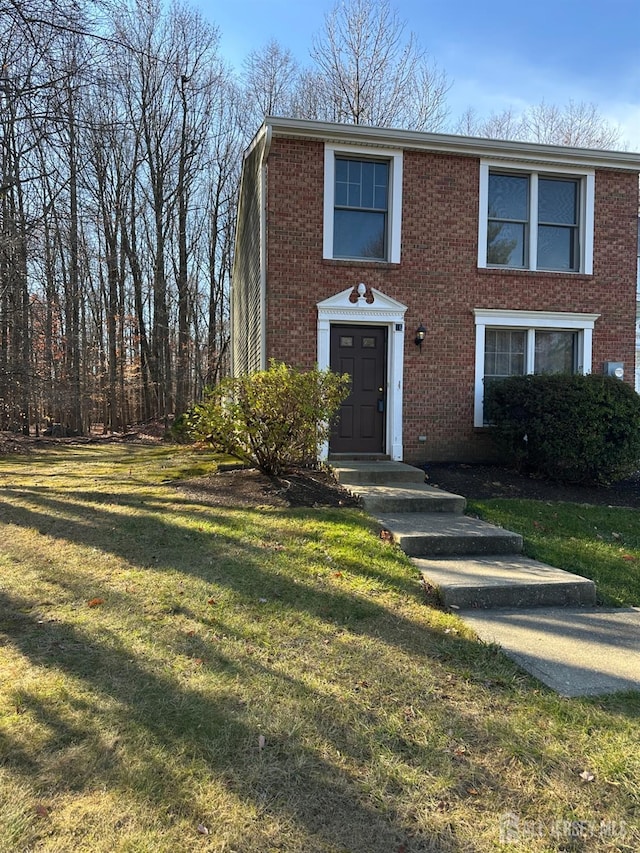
column 497, row 53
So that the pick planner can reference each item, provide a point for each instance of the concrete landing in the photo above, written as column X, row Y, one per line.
column 576, row 652
column 422, row 534
column 505, row 581
column 371, row 473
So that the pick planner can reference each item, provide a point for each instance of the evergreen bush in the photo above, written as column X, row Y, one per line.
column 274, row 419
column 572, row 428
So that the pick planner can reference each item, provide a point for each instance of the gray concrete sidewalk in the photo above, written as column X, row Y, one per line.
column 575, row 651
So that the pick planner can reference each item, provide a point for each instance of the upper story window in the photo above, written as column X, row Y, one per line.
column 362, row 204
column 360, row 209
column 535, row 220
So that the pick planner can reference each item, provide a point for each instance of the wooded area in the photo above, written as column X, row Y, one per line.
column 121, row 139
column 120, row 144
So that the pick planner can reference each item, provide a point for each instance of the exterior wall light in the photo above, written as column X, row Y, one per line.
column 420, row 336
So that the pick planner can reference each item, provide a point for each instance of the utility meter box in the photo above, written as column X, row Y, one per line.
column 614, row 368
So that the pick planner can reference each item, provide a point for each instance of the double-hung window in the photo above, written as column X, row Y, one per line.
column 362, row 204
column 361, row 209
column 515, row 343
column 535, row 220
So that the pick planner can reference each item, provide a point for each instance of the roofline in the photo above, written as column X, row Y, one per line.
column 446, row 143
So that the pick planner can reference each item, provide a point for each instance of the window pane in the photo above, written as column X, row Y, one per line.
column 557, row 201
column 557, row 248
column 504, row 352
column 506, row 244
column 555, row 352
column 354, row 195
column 359, row 234
column 342, row 182
column 381, row 184
column 366, row 199
column 361, row 184
column 504, row 355
column 509, row 197
column 380, row 198
column 342, row 170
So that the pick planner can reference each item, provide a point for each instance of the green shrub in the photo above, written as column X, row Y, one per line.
column 572, row 428
column 180, row 430
column 274, row 419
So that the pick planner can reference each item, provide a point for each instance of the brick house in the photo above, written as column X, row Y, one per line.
column 638, row 316
column 427, row 265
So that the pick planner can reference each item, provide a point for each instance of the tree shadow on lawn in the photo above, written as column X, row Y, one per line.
column 148, row 540
column 286, row 778
column 289, row 778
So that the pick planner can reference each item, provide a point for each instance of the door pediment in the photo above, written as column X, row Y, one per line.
column 364, row 303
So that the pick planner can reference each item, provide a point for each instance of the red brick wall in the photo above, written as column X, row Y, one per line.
column 438, row 279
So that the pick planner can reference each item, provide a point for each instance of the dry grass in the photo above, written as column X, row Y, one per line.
column 264, row 679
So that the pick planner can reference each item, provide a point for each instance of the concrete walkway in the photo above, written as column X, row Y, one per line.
column 544, row 618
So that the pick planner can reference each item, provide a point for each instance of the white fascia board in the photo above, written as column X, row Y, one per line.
column 530, row 152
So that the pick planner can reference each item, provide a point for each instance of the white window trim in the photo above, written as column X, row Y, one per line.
column 394, row 212
column 586, row 213
column 529, row 320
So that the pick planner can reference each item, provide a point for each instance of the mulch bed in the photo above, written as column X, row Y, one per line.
column 248, row 487
column 307, row 488
column 478, row 482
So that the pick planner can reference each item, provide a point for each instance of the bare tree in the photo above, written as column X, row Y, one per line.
column 576, row 124
column 225, row 158
column 374, row 72
column 120, row 145
column 269, row 78
column 310, row 98
column 503, row 125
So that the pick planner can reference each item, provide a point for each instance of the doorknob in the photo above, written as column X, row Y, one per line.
column 380, row 390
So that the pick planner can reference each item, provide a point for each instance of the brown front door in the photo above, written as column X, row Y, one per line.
column 360, row 351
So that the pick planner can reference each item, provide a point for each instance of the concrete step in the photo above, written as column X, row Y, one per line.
column 375, row 473
column 431, row 534
column 410, row 498
column 498, row 581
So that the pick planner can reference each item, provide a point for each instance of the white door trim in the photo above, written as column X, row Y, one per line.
column 368, row 306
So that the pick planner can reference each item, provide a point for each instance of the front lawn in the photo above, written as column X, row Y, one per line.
column 177, row 676
column 597, row 542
